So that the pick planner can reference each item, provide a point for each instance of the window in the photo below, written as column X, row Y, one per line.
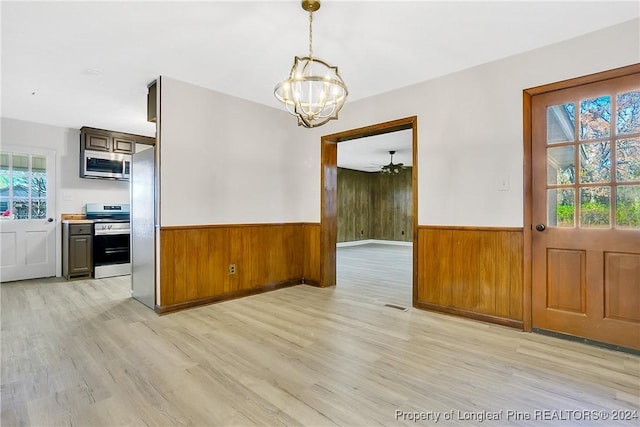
column 23, row 186
column 593, row 162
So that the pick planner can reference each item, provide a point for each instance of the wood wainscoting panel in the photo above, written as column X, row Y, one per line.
column 311, row 271
column 435, row 275
column 195, row 261
column 472, row 271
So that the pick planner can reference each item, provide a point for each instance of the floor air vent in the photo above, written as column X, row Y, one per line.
column 397, row 307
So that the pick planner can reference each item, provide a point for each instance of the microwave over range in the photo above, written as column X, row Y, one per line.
column 100, row 164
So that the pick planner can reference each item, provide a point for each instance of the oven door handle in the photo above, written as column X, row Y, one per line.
column 116, row 251
column 111, row 232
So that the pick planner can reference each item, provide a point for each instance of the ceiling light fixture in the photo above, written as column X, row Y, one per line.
column 391, row 168
column 314, row 91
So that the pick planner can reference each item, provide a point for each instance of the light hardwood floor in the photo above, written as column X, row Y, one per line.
column 379, row 273
column 83, row 353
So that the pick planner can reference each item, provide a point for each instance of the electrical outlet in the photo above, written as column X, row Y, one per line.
column 232, row 269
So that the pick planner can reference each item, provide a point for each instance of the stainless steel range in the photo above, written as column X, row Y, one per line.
column 111, row 240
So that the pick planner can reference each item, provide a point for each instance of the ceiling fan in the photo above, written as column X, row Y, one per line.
column 392, row 168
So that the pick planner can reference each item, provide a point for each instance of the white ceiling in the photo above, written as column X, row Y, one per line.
column 87, row 63
column 369, row 154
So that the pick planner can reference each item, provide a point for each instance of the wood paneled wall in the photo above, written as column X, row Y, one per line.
column 195, row 260
column 354, row 204
column 374, row 206
column 391, row 217
column 312, row 257
column 474, row 272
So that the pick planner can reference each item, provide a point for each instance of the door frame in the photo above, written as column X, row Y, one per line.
column 527, row 122
column 328, row 193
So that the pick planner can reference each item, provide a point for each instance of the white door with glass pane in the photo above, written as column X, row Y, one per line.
column 27, row 213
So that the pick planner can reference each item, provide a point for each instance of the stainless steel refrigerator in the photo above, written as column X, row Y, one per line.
column 143, row 220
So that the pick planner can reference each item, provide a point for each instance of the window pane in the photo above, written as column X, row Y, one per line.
column 628, row 159
column 595, row 203
column 39, row 184
column 628, row 206
column 560, row 165
column 595, row 162
column 595, row 117
column 561, row 207
column 20, row 209
column 38, row 209
column 561, row 122
column 628, row 120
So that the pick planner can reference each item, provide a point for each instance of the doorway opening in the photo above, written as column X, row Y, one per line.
column 329, row 185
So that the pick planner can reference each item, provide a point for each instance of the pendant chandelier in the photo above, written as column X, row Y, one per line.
column 314, row 91
column 391, row 168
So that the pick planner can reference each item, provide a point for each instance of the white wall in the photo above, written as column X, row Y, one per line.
column 227, row 160
column 72, row 192
column 470, row 128
column 224, row 160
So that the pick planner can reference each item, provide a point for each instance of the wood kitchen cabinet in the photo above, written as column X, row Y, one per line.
column 97, row 142
column 77, row 250
column 108, row 141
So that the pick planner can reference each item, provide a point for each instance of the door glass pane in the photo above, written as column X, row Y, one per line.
column 628, row 159
column 20, row 162
column 595, row 162
column 5, row 212
column 4, row 183
column 560, row 165
column 561, row 207
column 595, row 117
column 38, row 164
column 561, row 122
column 20, row 209
column 4, row 175
column 628, row 206
column 595, row 207
column 23, row 186
column 4, row 161
column 39, row 184
column 38, row 209
column 20, row 182
column 628, row 106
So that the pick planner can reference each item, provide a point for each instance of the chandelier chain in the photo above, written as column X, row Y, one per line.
column 311, row 34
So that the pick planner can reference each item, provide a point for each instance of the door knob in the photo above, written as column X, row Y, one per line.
column 540, row 227
column 49, row 219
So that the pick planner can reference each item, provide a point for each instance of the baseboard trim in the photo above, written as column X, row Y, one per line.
column 587, row 341
column 310, row 282
column 512, row 323
column 373, row 241
column 225, row 297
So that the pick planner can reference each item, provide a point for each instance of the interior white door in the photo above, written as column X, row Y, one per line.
column 27, row 213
